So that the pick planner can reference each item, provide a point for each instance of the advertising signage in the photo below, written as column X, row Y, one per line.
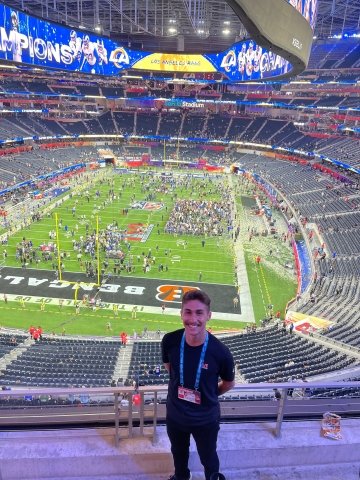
column 33, row 41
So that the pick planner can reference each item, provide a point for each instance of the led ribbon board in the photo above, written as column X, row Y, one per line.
column 32, row 41
column 282, row 26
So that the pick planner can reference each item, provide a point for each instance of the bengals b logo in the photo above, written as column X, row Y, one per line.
column 134, row 228
column 172, row 293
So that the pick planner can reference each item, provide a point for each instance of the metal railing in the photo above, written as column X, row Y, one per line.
column 139, row 412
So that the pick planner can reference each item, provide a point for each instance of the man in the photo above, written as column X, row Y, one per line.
column 201, row 368
column 102, row 55
column 242, row 60
column 16, row 42
column 89, row 58
column 256, row 70
column 235, row 302
column 76, row 51
column 249, row 57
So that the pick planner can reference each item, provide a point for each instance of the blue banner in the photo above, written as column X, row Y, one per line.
column 29, row 40
column 246, row 61
column 305, row 265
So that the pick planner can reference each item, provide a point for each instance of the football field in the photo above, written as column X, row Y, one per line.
column 132, row 255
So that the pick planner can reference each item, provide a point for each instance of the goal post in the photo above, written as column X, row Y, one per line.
column 59, row 259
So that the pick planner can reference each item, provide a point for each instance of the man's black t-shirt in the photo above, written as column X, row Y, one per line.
column 218, row 363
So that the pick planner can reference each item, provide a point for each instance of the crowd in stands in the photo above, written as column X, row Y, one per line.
column 275, row 354
column 333, row 206
column 60, row 362
column 187, row 124
column 270, row 354
column 23, row 166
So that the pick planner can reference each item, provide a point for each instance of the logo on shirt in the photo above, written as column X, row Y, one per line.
column 205, row 366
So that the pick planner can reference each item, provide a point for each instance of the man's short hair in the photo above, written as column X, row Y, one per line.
column 195, row 294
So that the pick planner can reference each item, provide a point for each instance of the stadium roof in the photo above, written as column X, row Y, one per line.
column 191, row 25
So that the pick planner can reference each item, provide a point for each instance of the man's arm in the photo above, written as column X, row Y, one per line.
column 167, row 366
column 224, row 386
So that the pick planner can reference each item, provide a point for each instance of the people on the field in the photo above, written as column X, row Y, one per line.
column 199, row 217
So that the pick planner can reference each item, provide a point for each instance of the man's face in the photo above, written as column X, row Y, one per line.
column 195, row 315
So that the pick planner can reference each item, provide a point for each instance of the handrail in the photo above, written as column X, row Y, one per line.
column 147, row 412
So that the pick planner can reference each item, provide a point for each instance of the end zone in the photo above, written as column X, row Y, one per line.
column 148, row 294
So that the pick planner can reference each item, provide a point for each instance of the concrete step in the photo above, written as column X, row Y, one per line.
column 319, row 472
column 247, row 452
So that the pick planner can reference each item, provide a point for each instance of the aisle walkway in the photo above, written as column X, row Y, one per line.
column 245, row 307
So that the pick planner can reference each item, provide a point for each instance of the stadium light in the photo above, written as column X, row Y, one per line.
column 226, row 31
column 172, row 30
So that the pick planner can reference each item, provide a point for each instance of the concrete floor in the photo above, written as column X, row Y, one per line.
column 247, row 452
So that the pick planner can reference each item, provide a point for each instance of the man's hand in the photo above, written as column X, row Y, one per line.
column 224, row 386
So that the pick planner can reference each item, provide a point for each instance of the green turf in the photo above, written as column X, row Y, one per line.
column 90, row 322
column 214, row 260
column 267, row 288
